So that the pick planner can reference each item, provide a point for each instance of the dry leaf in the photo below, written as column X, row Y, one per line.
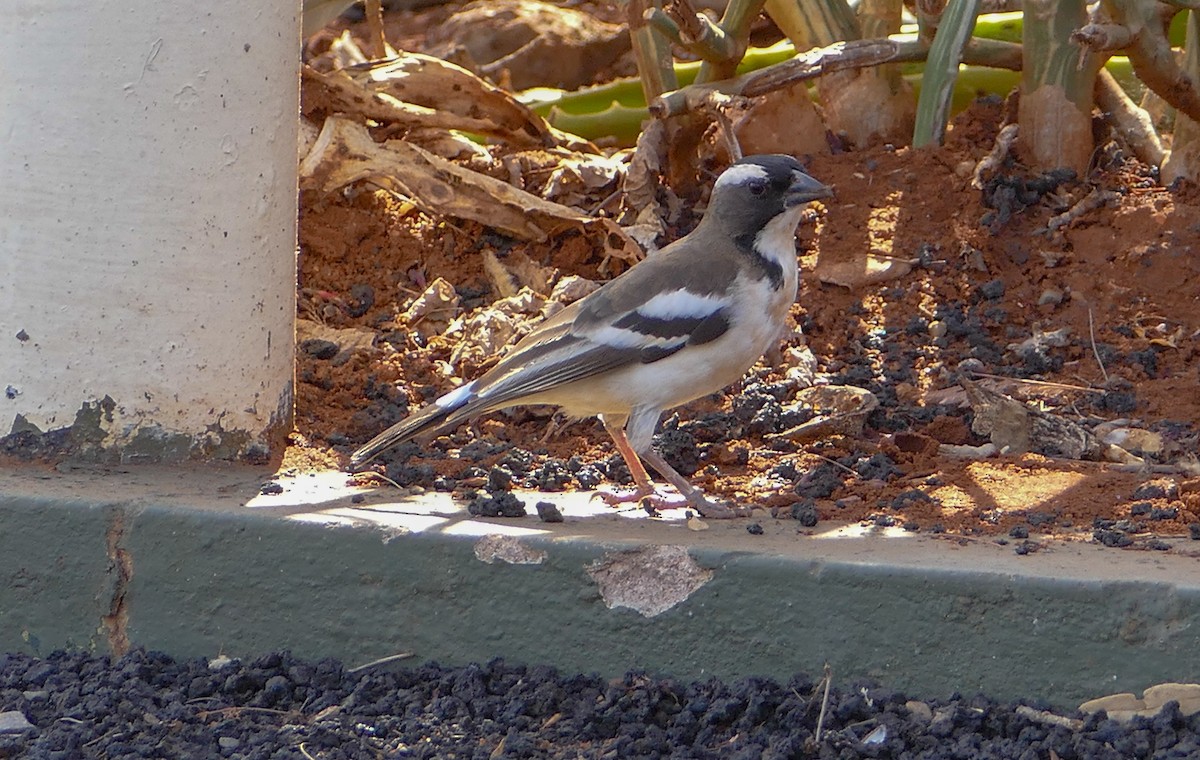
column 454, row 92
column 840, row 409
column 432, row 311
column 345, row 153
column 417, row 91
column 1017, row 428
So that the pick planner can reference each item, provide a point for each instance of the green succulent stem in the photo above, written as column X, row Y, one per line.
column 653, row 51
column 941, row 71
column 1184, row 159
column 1057, row 86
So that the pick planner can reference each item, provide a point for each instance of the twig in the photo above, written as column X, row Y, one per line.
column 1043, row 383
column 381, row 476
column 836, row 463
column 853, row 54
column 1049, row 718
column 1132, row 123
column 824, row 703
column 375, row 22
column 382, row 661
column 992, row 160
column 1096, row 351
column 237, row 710
column 1157, row 469
column 304, row 751
column 1089, row 202
column 715, row 108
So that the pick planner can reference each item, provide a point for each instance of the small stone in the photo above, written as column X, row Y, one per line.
column 319, row 349
column 971, row 366
column 14, row 722
column 548, row 512
column 806, row 513
column 992, row 289
column 937, row 329
column 754, row 529
column 228, row 742
column 1018, row 531
column 1112, row 538
column 270, row 488
column 919, row 710
column 1050, row 297
column 1194, row 531
column 1026, row 547
column 22, row 336
column 1157, row 490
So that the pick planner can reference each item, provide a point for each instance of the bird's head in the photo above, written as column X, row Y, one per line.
column 756, row 189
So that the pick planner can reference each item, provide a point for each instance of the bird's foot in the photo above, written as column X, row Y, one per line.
column 647, row 499
column 714, row 510
column 652, row 501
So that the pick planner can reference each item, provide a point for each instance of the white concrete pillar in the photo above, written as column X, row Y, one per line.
column 148, row 227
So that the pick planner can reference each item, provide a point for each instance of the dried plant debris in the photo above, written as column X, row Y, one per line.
column 1016, row 427
column 510, row 41
column 345, row 153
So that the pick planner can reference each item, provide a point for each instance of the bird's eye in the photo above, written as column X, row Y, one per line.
column 757, row 187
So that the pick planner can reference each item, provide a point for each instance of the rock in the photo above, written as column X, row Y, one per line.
column 14, row 722
column 919, row 710
column 1050, row 297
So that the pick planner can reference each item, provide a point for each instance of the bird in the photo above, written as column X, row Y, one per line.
column 684, row 322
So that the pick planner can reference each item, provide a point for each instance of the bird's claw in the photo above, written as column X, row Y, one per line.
column 652, row 502
column 715, row 510
column 648, row 500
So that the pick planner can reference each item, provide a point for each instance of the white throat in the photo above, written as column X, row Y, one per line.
column 777, row 240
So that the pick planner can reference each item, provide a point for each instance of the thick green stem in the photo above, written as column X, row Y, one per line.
column 857, row 54
column 707, row 40
column 1151, row 54
column 735, row 23
column 1184, row 158
column 653, row 52
column 1057, row 85
column 941, row 71
column 814, row 23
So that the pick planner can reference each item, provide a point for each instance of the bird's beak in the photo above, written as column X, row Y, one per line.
column 804, row 189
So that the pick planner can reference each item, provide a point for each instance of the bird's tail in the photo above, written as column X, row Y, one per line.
column 428, row 419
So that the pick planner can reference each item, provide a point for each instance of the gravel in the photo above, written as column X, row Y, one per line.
column 148, row 705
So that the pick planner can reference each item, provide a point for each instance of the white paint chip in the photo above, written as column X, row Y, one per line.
column 495, row 547
column 650, row 580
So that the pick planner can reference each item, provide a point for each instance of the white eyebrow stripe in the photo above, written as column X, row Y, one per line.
column 681, row 303
column 741, row 173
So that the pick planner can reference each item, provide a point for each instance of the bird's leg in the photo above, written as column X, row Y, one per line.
column 695, row 498
column 643, row 489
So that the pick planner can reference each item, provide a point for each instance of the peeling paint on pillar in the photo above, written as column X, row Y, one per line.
column 650, row 580
column 155, row 321
column 100, row 434
column 115, row 624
